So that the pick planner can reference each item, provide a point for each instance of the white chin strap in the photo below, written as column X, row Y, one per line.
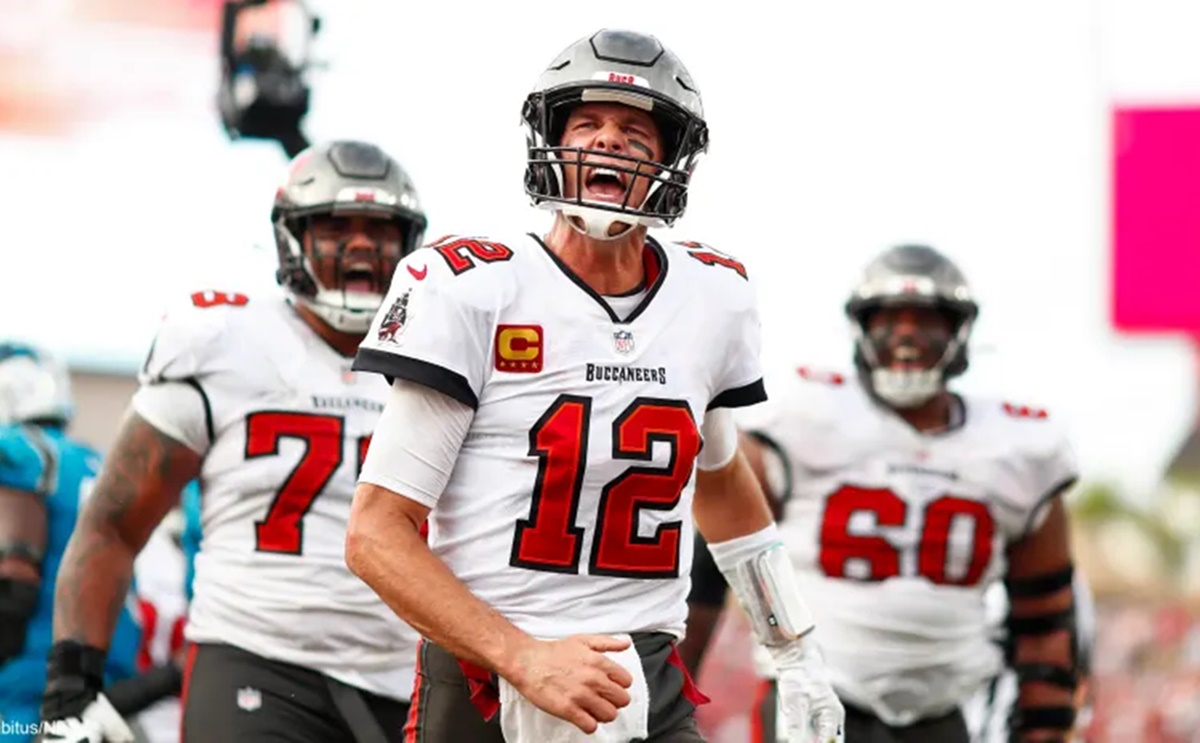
column 597, row 223
column 346, row 312
column 907, row 388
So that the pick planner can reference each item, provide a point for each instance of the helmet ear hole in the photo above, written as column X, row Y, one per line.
column 668, row 197
column 291, row 273
column 961, row 361
column 300, row 281
column 539, row 179
column 413, row 233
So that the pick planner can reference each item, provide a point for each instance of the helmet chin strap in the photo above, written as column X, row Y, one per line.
column 597, row 223
column 906, row 388
column 355, row 319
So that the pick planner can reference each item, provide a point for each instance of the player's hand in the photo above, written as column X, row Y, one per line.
column 97, row 722
column 73, row 708
column 572, row 678
column 810, row 707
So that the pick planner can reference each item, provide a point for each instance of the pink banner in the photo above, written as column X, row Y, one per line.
column 1156, row 219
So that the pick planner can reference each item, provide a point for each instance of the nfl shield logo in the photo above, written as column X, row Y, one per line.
column 249, row 698
column 623, row 341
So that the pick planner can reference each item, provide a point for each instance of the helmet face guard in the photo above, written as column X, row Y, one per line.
column 911, row 276
column 633, row 70
column 333, row 180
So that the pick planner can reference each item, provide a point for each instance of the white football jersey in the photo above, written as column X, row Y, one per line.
column 569, row 506
column 160, row 572
column 287, row 426
column 897, row 535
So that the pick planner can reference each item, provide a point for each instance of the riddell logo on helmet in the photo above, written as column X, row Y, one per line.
column 620, row 77
column 367, row 195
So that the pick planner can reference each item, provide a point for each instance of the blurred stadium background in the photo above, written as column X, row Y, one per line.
column 1052, row 149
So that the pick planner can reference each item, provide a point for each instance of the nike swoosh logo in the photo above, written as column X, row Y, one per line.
column 418, row 275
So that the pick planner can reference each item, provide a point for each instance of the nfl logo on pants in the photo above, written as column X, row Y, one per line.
column 623, row 341
column 249, row 699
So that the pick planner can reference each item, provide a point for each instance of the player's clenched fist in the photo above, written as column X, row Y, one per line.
column 573, row 679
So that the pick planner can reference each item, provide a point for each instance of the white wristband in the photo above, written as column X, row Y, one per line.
column 761, row 575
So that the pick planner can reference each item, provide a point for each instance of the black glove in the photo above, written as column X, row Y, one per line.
column 74, row 678
column 72, row 706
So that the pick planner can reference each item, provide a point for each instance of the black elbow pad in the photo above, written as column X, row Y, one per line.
column 18, row 600
column 1043, row 624
column 1041, row 718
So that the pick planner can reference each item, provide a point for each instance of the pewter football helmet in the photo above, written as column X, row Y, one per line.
column 341, row 178
column 619, row 67
column 912, row 275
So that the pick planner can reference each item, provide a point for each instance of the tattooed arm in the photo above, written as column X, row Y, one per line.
column 139, row 482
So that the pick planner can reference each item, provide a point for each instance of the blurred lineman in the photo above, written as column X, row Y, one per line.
column 254, row 397
column 903, row 503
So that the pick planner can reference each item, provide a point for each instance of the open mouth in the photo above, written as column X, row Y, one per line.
column 359, row 277
column 907, row 357
column 606, row 184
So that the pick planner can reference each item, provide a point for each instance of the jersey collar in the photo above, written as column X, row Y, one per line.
column 654, row 261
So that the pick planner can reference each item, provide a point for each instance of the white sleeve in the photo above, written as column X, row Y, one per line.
column 1051, row 472
column 739, row 382
column 177, row 409
column 187, row 351
column 720, row 436
column 416, row 442
column 1040, row 467
column 188, row 340
column 434, row 328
